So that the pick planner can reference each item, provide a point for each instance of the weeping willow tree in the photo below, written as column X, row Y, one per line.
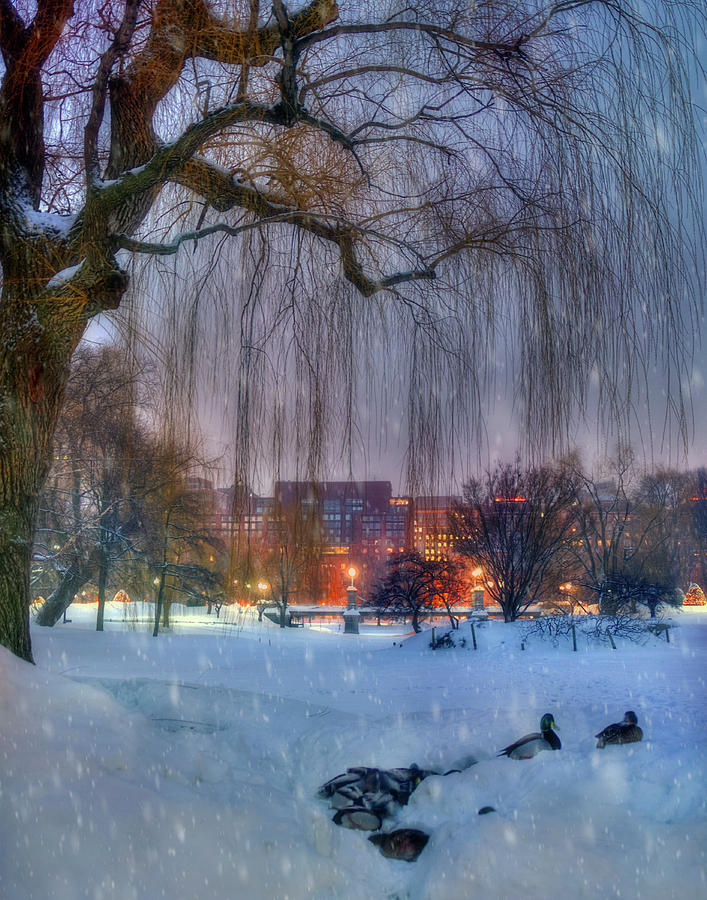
column 298, row 190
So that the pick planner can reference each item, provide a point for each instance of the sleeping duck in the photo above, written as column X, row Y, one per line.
column 405, row 843
column 625, row 732
column 531, row 744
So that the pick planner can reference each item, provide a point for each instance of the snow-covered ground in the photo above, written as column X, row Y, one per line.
column 187, row 766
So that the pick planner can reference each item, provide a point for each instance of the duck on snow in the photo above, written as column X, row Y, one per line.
column 624, row 732
column 532, row 744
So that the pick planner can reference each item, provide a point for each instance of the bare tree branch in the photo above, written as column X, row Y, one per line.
column 116, row 51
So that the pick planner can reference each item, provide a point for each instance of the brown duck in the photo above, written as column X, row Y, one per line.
column 405, row 843
column 625, row 732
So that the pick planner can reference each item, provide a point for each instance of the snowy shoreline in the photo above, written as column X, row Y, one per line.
column 187, row 766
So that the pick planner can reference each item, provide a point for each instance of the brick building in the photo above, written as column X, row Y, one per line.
column 362, row 523
column 431, row 535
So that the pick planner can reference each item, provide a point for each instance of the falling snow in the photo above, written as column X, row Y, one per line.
column 187, row 766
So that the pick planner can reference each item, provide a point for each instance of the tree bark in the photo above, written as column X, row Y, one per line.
column 33, row 372
column 158, row 608
column 102, row 578
column 62, row 596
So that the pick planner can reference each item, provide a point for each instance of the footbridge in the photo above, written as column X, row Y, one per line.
column 297, row 616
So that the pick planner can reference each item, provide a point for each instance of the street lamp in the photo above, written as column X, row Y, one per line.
column 566, row 588
column 351, row 615
column 477, row 590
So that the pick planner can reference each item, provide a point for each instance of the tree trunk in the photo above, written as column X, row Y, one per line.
column 15, row 538
column 33, row 370
column 166, row 606
column 158, row 608
column 415, row 620
column 102, row 578
column 62, row 596
column 453, row 620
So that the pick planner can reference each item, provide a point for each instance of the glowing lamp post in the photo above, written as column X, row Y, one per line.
column 352, row 617
column 477, row 591
column 351, row 591
column 566, row 589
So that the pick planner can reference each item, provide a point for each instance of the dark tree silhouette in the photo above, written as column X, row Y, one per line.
column 413, row 586
column 514, row 523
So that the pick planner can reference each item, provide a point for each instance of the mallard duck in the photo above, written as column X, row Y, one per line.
column 361, row 781
column 531, row 744
column 360, row 818
column 625, row 732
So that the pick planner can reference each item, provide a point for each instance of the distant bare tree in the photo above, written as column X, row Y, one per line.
column 411, row 585
column 451, row 586
column 629, row 534
column 291, row 554
column 357, row 166
column 602, row 508
column 664, row 499
column 178, row 548
column 698, row 502
column 514, row 523
column 89, row 515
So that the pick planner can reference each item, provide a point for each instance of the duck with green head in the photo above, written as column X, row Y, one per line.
column 534, row 743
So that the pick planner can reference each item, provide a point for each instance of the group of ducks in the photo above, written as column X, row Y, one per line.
column 364, row 796
column 625, row 732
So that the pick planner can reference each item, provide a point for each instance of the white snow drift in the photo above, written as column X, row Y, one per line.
column 187, row 766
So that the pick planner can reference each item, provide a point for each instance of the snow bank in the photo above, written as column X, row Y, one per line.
column 186, row 766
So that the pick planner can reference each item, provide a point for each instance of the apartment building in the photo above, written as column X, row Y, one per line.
column 431, row 535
